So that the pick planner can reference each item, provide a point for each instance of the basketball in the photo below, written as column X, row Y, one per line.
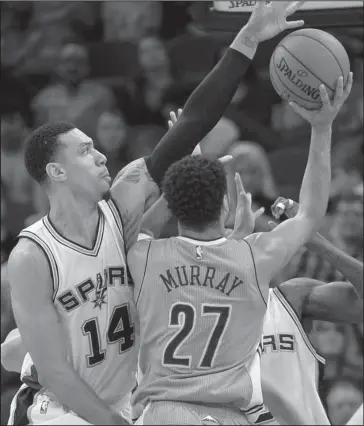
column 302, row 61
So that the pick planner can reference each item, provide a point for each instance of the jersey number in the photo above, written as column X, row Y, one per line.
column 120, row 330
column 222, row 313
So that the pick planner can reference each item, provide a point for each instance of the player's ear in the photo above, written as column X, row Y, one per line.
column 56, row 172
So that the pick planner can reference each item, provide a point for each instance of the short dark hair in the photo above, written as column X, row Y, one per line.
column 41, row 147
column 194, row 188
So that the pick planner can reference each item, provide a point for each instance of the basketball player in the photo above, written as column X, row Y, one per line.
column 290, row 365
column 76, row 315
column 202, row 299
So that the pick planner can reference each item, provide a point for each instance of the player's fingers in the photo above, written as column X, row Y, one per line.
column 293, row 7
column 290, row 25
column 225, row 159
column 349, row 85
column 170, row 124
column 339, row 91
column 324, row 96
column 279, row 207
column 272, row 225
column 299, row 110
column 239, row 184
column 277, row 201
column 259, row 212
column 173, row 117
column 179, row 112
column 249, row 197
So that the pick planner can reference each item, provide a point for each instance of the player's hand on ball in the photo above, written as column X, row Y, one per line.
column 268, row 20
column 324, row 117
column 284, row 206
column 174, row 118
column 244, row 217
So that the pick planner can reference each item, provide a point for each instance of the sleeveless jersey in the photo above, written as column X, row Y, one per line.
column 201, row 314
column 94, row 300
column 290, row 367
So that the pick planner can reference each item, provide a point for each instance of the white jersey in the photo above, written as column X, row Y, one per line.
column 94, row 299
column 289, row 367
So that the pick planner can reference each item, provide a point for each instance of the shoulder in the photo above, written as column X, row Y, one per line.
column 132, row 172
column 26, row 258
column 264, row 244
column 297, row 290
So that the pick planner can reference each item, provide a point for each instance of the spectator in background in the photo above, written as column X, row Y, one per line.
column 122, row 143
column 347, row 166
column 113, row 140
column 34, row 32
column 343, row 399
column 130, row 20
column 71, row 97
column 7, row 238
column 251, row 162
column 14, row 176
column 329, row 341
column 155, row 82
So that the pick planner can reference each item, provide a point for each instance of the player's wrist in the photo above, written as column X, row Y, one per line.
column 246, row 42
column 322, row 129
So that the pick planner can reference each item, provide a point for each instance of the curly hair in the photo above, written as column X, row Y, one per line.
column 194, row 188
column 41, row 147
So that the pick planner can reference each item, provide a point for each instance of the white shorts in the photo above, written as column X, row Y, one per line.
column 30, row 406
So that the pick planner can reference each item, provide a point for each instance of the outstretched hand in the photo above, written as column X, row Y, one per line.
column 324, row 117
column 268, row 20
column 244, row 217
column 174, row 118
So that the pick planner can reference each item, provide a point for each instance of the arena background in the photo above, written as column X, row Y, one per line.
column 116, row 69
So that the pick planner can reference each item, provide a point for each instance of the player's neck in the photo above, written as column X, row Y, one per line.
column 74, row 219
column 209, row 234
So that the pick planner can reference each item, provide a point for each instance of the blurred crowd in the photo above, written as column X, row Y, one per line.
column 116, row 69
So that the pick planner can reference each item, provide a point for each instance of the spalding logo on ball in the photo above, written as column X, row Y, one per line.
column 303, row 61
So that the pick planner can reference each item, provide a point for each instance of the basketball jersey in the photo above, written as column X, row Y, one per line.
column 201, row 315
column 290, row 367
column 94, row 300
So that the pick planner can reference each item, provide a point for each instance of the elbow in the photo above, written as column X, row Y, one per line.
column 313, row 216
column 7, row 359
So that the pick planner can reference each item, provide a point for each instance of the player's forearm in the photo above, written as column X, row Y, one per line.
column 205, row 106
column 72, row 392
column 315, row 189
column 155, row 218
column 347, row 265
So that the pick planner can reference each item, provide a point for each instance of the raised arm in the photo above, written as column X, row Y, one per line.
column 43, row 335
column 208, row 102
column 203, row 109
column 274, row 249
